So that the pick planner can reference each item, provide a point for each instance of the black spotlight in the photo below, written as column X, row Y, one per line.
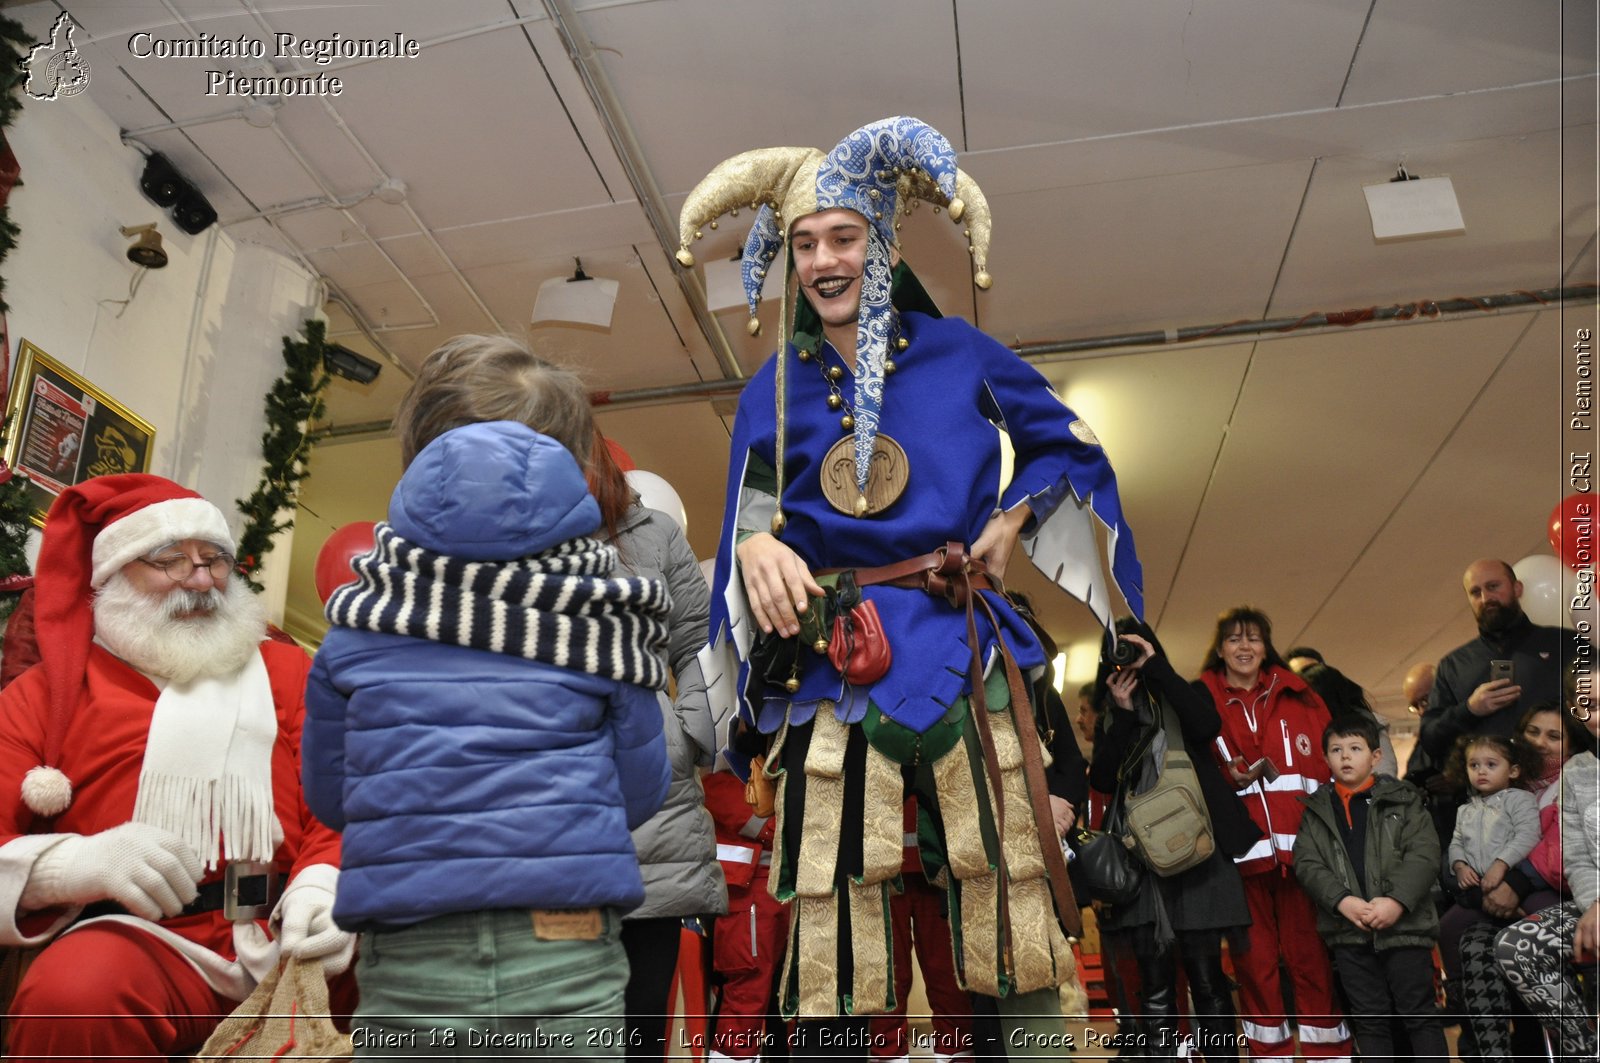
column 161, row 182
column 192, row 213
column 342, row 361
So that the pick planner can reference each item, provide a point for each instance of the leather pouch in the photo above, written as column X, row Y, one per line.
column 859, row 648
column 759, row 792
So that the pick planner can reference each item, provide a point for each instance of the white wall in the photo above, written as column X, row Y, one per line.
column 198, row 346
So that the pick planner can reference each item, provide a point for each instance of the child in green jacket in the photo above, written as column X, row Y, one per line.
column 1368, row 856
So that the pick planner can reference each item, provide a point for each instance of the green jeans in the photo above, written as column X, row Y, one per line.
column 480, row 985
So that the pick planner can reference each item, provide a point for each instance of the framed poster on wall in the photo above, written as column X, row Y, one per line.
column 65, row 430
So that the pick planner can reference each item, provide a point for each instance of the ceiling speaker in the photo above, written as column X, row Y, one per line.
column 160, row 182
column 192, row 213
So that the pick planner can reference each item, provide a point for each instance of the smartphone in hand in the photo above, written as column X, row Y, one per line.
column 1264, row 769
column 1501, row 670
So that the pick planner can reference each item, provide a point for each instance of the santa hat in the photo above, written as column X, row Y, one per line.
column 92, row 531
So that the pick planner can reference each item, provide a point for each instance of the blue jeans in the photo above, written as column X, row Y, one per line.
column 480, row 985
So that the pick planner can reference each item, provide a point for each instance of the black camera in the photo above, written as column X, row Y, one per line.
column 1123, row 653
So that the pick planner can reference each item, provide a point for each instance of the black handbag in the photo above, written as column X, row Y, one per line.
column 1105, row 867
column 1103, row 860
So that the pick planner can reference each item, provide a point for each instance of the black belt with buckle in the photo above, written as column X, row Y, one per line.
column 246, row 892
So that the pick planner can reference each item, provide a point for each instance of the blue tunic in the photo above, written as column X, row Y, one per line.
column 954, row 393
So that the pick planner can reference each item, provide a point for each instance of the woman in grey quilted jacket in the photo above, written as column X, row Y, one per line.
column 677, row 846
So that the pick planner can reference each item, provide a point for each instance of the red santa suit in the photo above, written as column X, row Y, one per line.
column 1282, row 720
column 103, row 757
column 81, row 735
column 748, row 942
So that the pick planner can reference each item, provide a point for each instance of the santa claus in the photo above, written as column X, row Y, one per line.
column 152, row 832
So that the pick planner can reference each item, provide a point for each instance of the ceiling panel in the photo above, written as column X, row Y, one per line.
column 1431, row 47
column 548, row 235
column 1119, row 257
column 700, row 85
column 457, row 171
column 1145, row 64
column 1509, row 190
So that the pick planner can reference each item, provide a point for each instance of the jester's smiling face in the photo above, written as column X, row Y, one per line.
column 830, row 259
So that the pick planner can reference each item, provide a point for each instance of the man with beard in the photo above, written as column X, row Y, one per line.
column 152, row 765
column 1464, row 699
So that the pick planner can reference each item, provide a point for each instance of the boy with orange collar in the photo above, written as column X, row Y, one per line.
column 1368, row 856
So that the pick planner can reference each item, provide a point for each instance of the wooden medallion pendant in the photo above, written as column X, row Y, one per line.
column 886, row 479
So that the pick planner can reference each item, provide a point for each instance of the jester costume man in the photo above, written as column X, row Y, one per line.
column 911, row 672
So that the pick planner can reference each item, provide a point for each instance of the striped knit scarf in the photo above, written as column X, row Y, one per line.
column 560, row 607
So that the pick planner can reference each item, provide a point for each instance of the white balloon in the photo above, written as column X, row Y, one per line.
column 1540, row 576
column 656, row 493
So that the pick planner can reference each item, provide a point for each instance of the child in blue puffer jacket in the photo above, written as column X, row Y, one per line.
column 482, row 726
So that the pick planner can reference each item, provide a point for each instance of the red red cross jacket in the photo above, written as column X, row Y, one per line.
column 1282, row 719
column 743, row 838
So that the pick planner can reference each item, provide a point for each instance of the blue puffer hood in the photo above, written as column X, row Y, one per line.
column 493, row 491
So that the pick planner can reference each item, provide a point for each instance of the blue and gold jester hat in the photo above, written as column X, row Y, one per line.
column 880, row 171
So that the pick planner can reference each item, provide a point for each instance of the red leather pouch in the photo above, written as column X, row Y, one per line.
column 859, row 648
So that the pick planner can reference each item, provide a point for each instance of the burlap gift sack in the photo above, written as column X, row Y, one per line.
column 285, row 1018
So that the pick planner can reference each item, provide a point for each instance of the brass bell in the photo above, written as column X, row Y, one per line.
column 803, row 354
column 820, row 646
column 835, row 372
column 847, row 422
column 834, row 402
column 792, row 684
column 901, row 343
column 889, row 366
column 861, row 505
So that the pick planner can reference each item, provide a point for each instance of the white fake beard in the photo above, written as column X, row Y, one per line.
column 146, row 631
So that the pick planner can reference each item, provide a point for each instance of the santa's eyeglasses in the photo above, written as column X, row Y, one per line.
column 180, row 567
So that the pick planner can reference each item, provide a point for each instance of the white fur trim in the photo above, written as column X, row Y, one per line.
column 47, row 791
column 156, row 525
column 234, row 979
column 17, row 857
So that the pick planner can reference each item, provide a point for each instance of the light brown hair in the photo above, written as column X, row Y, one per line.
column 470, row 379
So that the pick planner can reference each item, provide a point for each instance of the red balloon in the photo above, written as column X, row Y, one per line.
column 1572, row 530
column 333, row 560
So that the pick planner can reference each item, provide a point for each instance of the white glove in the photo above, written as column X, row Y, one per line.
column 307, row 930
column 149, row 871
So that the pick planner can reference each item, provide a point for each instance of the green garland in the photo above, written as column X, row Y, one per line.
column 16, row 507
column 294, row 402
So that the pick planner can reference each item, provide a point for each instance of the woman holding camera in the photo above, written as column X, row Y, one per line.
column 1188, row 913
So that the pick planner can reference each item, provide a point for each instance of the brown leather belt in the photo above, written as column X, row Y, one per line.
column 946, row 573
column 949, row 573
